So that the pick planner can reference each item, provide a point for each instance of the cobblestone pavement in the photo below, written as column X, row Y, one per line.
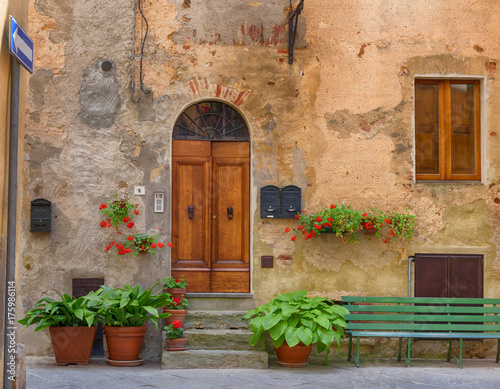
column 42, row 373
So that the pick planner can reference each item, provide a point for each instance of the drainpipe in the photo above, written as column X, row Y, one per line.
column 10, row 271
column 410, row 260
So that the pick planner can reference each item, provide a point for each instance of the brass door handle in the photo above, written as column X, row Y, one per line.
column 190, row 211
column 229, row 213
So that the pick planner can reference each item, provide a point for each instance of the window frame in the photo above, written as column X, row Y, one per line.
column 444, row 98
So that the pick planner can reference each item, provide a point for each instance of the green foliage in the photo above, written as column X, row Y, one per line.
column 129, row 307
column 178, row 304
column 294, row 317
column 67, row 311
column 174, row 331
column 145, row 242
column 402, row 225
column 174, row 283
column 116, row 211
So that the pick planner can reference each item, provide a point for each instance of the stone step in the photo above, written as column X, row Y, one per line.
column 214, row 359
column 222, row 340
column 215, row 320
column 221, row 301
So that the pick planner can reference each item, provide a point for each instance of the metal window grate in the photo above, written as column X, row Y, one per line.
column 211, row 120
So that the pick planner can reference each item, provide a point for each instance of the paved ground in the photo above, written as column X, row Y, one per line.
column 42, row 373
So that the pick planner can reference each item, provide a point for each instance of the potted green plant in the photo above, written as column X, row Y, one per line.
column 72, row 326
column 124, row 313
column 294, row 322
column 145, row 243
column 177, row 287
column 174, row 337
column 177, row 310
column 117, row 211
column 372, row 222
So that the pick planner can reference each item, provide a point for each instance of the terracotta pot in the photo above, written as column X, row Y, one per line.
column 175, row 292
column 176, row 344
column 296, row 356
column 124, row 344
column 72, row 344
column 175, row 314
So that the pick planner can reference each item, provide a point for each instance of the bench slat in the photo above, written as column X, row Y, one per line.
column 419, row 300
column 443, row 327
column 422, row 318
column 423, row 309
column 437, row 335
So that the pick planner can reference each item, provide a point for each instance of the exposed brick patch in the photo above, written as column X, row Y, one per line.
column 207, row 88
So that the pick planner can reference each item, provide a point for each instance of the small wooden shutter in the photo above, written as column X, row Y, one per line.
column 449, row 275
column 82, row 287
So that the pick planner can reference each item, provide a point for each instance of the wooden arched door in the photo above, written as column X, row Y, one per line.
column 210, row 200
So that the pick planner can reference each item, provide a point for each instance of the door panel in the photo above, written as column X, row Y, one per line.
column 211, row 249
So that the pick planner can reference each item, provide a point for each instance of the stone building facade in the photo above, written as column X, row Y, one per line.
column 339, row 123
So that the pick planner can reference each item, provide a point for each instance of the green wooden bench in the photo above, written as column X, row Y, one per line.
column 422, row 318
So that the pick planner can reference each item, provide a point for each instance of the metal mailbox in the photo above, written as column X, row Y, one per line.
column 291, row 200
column 270, row 205
column 41, row 214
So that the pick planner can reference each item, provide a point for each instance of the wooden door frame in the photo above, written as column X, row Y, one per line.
column 251, row 194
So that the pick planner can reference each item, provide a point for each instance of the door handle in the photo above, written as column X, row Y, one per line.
column 190, row 211
column 229, row 213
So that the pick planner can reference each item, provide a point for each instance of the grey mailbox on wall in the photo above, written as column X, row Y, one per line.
column 290, row 201
column 280, row 203
column 270, row 205
column 41, row 214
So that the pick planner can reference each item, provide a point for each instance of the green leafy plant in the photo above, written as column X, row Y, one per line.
column 339, row 219
column 178, row 304
column 402, row 225
column 174, row 330
column 129, row 307
column 373, row 220
column 174, row 283
column 118, row 211
column 294, row 317
column 144, row 243
column 67, row 311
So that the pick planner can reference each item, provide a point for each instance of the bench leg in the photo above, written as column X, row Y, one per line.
column 399, row 348
column 349, row 353
column 498, row 351
column 450, row 345
column 459, row 359
column 356, row 359
column 408, row 357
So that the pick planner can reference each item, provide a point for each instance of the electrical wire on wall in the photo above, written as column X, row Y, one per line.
column 141, row 83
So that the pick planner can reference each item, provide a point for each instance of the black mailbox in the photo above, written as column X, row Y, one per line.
column 41, row 215
column 270, row 202
column 290, row 201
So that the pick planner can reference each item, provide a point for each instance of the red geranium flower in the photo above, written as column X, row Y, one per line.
column 126, row 219
column 176, row 301
column 364, row 215
column 103, row 223
column 170, row 245
column 153, row 246
column 160, row 245
column 176, row 323
column 318, row 226
column 103, row 206
column 388, row 221
column 130, row 237
column 294, row 237
column 391, row 233
column 318, row 219
column 297, row 216
column 135, row 212
column 287, row 229
column 130, row 225
column 369, row 226
column 330, row 219
column 332, row 206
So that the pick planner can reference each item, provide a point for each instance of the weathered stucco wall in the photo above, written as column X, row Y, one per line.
column 338, row 123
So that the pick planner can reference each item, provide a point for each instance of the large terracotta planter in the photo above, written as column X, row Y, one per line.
column 176, row 344
column 176, row 292
column 296, row 356
column 175, row 314
column 72, row 345
column 124, row 345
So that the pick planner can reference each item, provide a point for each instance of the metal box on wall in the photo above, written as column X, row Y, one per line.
column 41, row 214
column 270, row 205
column 290, row 201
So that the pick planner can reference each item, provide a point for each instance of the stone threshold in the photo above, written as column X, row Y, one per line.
column 219, row 295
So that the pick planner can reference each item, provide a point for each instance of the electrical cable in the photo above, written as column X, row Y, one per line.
column 142, row 50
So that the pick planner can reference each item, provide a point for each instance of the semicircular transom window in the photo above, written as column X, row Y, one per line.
column 211, row 120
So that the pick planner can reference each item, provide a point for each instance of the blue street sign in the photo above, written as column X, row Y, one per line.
column 20, row 45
